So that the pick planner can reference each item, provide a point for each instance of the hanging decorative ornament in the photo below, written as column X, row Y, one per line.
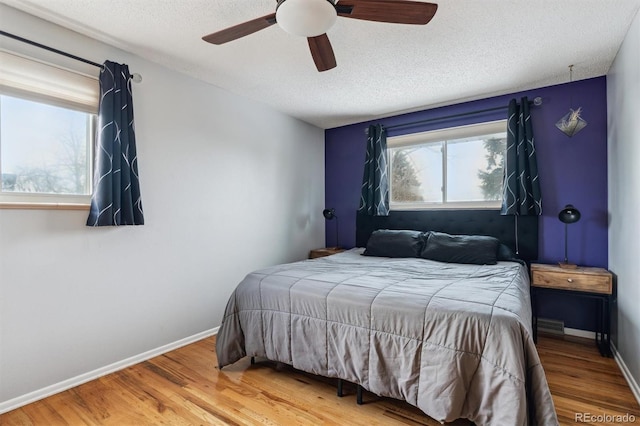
column 571, row 123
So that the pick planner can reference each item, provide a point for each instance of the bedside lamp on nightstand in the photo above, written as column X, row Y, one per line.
column 329, row 214
column 568, row 215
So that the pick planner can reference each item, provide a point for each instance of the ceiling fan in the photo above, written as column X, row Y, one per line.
column 313, row 18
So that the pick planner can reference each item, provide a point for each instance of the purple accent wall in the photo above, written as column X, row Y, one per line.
column 572, row 171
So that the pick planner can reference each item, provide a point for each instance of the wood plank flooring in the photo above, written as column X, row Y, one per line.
column 185, row 387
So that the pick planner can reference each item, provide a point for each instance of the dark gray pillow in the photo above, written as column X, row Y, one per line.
column 395, row 243
column 473, row 249
column 505, row 253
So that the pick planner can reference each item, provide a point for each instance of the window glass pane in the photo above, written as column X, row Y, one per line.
column 474, row 168
column 416, row 174
column 456, row 167
column 43, row 148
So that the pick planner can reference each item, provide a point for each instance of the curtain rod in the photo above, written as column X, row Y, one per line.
column 50, row 49
column 137, row 78
column 536, row 101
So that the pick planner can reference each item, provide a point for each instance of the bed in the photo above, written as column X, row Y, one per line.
column 453, row 339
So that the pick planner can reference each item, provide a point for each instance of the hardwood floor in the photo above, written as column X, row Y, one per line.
column 185, row 387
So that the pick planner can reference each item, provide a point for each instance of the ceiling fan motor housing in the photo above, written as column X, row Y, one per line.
column 306, row 18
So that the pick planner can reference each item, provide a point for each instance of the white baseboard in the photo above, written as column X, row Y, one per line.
column 580, row 333
column 626, row 373
column 30, row 397
column 635, row 388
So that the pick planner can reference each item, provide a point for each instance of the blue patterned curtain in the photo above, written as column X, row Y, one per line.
column 374, row 198
column 521, row 184
column 116, row 195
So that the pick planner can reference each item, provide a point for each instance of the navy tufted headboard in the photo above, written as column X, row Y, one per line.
column 468, row 222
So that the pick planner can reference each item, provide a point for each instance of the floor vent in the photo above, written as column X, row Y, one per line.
column 550, row 326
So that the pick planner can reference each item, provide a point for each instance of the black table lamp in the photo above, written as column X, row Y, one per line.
column 568, row 215
column 330, row 214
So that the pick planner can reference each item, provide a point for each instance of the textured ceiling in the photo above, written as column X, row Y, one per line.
column 470, row 50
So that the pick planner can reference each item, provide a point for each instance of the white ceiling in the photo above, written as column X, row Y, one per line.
column 470, row 50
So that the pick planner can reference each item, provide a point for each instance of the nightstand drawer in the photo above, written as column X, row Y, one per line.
column 573, row 280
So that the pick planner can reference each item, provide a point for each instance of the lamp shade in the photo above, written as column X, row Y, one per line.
column 329, row 213
column 569, row 214
column 307, row 18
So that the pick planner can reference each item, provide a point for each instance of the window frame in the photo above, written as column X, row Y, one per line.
column 41, row 82
column 442, row 136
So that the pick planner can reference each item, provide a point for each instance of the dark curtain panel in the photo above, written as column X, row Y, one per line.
column 521, row 184
column 374, row 198
column 116, row 190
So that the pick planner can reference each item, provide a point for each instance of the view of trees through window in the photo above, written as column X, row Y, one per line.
column 461, row 170
column 44, row 148
column 404, row 178
column 492, row 176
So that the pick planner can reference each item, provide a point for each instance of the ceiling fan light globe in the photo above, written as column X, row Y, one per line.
column 306, row 18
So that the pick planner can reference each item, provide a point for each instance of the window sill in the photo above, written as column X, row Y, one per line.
column 446, row 206
column 44, row 206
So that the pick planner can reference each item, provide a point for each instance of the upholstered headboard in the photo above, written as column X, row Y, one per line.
column 469, row 222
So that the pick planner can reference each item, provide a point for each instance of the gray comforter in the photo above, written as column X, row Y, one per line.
column 453, row 340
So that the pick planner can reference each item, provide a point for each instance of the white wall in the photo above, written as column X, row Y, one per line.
column 228, row 186
column 623, row 93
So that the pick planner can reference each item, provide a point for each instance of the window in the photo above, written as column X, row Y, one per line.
column 459, row 167
column 47, row 127
column 44, row 149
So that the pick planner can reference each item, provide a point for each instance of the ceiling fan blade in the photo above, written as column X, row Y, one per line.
column 394, row 11
column 322, row 52
column 241, row 30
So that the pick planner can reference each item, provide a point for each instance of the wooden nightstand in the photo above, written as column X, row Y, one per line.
column 322, row 252
column 581, row 281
